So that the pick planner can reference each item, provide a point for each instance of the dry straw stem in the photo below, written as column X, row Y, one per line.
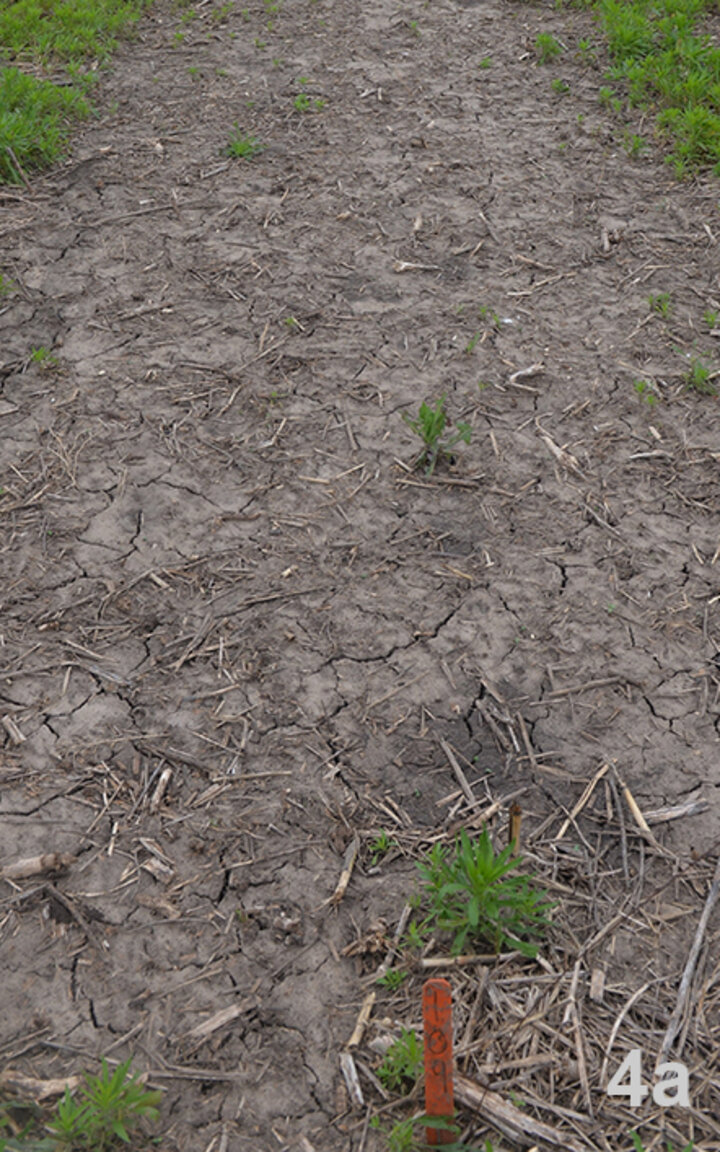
column 516, row 1124
column 351, row 854
column 362, row 1020
column 677, row 1017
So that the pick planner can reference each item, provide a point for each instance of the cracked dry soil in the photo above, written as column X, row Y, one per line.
column 234, row 624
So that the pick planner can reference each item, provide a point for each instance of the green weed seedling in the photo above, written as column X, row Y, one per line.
column 430, row 425
column 646, row 392
column 107, row 1108
column 586, row 51
column 410, row 1135
column 487, row 313
column 221, row 13
column 240, row 146
column 709, row 317
column 561, row 87
column 305, row 103
column 698, row 377
column 547, row 48
column 471, row 893
column 415, row 936
column 638, row 1145
column 661, row 304
column 43, row 356
column 633, row 144
column 392, row 979
column 380, row 847
column 7, row 286
column 103, row 1115
column 403, row 1062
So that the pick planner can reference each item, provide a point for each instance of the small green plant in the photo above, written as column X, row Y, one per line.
column 698, row 377
column 403, row 1137
column 547, row 48
column 415, row 936
column 586, row 51
column 470, row 892
column 403, row 1062
column 638, row 1145
column 634, row 145
column 660, row 304
column 305, row 103
column 43, row 356
column 560, row 86
column 240, row 146
column 646, row 392
column 7, row 286
column 392, row 979
column 430, row 426
column 487, row 313
column 104, row 1113
column 709, row 317
column 470, row 346
column 380, row 847
column 486, row 62
column 222, row 12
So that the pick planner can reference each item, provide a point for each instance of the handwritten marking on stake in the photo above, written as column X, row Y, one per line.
column 437, row 1023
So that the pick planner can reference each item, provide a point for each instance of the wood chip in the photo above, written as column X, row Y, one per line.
column 161, row 788
column 16, row 736
column 220, row 1019
column 36, row 865
column 29, row 1086
column 352, row 1081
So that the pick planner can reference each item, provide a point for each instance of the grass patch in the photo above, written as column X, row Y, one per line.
column 672, row 69
column 70, row 31
column 35, row 120
column 36, row 116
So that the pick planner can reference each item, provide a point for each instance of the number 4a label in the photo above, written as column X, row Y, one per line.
column 670, row 1090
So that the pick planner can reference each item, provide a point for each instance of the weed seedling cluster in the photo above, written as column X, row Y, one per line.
column 104, row 1114
column 430, row 425
column 403, row 1062
column 547, row 48
column 240, row 146
column 478, row 895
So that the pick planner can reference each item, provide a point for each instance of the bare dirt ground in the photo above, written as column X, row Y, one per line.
column 235, row 625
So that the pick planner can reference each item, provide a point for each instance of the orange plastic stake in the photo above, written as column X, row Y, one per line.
column 437, row 1021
